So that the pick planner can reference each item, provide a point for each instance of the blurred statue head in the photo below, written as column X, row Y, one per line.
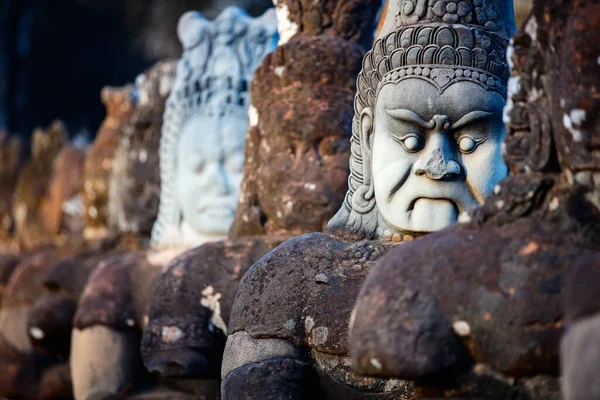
column 205, row 125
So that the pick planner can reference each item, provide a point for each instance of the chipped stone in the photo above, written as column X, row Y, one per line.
column 464, row 218
column 531, row 28
column 171, row 334
column 36, row 333
column 375, row 363
column 286, row 27
column 321, row 278
column 461, row 328
column 253, row 116
column 320, row 335
column 290, row 324
column 309, row 323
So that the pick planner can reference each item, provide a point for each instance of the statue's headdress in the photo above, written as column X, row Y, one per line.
column 440, row 41
column 212, row 80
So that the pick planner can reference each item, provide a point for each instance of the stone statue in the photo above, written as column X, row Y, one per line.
column 43, row 186
column 10, row 161
column 295, row 179
column 205, row 123
column 51, row 288
column 48, row 210
column 476, row 310
column 426, row 146
column 201, row 167
column 133, row 195
column 119, row 103
column 134, row 188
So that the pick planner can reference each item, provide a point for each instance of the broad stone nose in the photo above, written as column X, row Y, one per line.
column 438, row 164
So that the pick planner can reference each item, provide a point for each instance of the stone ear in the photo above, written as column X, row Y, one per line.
column 366, row 127
column 366, row 130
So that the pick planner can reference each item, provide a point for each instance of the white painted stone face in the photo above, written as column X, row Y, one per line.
column 435, row 155
column 205, row 122
column 209, row 172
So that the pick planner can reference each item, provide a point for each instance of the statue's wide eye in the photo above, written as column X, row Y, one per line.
column 411, row 143
column 466, row 144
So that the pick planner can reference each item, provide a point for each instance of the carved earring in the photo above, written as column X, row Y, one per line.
column 363, row 200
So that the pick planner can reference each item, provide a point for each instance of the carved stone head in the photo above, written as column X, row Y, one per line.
column 134, row 184
column 297, row 149
column 428, row 128
column 33, row 184
column 119, row 103
column 201, row 151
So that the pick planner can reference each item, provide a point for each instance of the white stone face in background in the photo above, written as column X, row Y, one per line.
column 205, row 122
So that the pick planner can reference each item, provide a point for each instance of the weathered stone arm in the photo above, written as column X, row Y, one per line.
column 265, row 369
column 102, row 361
column 105, row 357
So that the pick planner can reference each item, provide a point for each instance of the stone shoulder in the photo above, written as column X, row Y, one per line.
column 303, row 291
column 107, row 298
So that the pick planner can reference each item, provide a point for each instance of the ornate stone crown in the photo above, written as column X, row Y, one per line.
column 440, row 41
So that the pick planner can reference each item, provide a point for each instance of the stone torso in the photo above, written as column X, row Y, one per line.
column 303, row 292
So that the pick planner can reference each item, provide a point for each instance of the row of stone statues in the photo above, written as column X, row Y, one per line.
column 411, row 246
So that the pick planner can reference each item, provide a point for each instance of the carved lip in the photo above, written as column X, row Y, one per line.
column 215, row 209
column 411, row 205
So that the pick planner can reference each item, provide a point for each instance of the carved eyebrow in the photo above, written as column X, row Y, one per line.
column 470, row 118
column 410, row 116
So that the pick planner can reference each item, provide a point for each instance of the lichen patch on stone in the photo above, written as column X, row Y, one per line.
column 286, row 27
column 171, row 334
column 210, row 299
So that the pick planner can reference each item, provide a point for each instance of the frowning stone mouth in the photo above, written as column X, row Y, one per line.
column 411, row 206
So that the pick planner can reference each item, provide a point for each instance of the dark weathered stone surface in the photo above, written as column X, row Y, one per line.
column 117, row 293
column 135, row 178
column 291, row 379
column 194, row 296
column 30, row 376
column 485, row 297
column 297, row 153
column 308, row 301
column 53, row 311
column 27, row 370
column 502, row 274
column 351, row 21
